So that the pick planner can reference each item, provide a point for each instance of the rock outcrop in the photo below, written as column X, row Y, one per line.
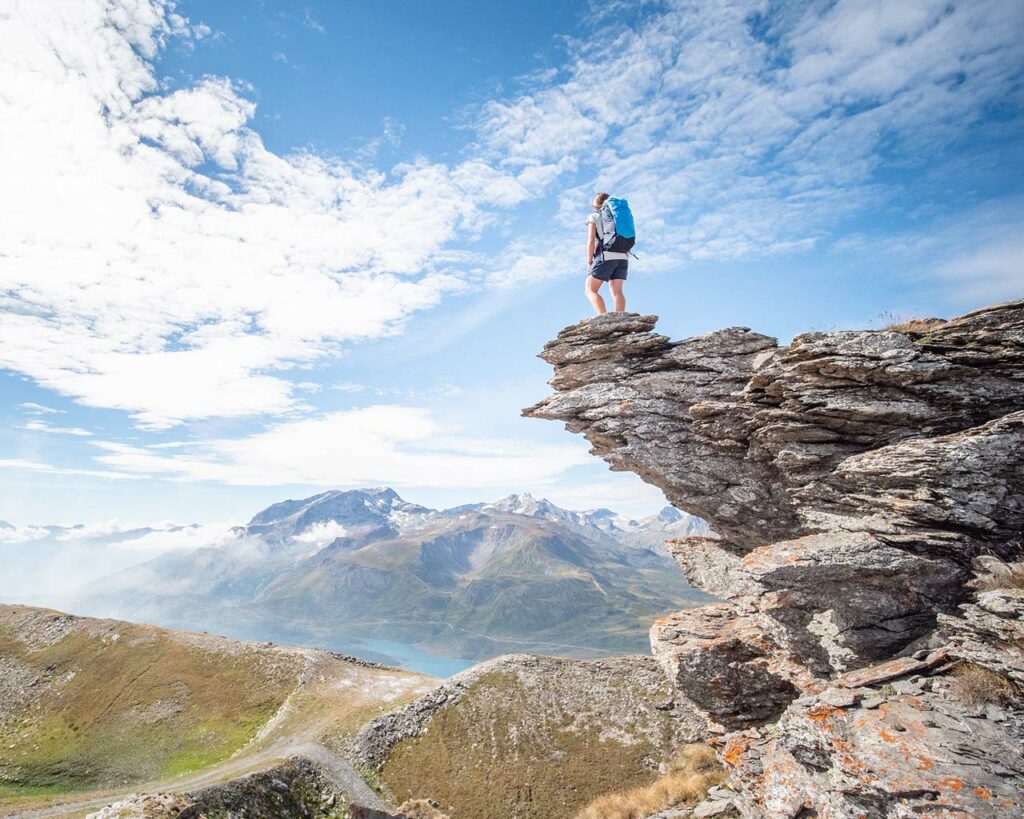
column 866, row 487
column 297, row 787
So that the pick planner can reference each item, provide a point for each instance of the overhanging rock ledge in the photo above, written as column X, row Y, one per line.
column 868, row 490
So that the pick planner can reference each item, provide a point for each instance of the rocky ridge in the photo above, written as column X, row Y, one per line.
column 867, row 487
column 529, row 737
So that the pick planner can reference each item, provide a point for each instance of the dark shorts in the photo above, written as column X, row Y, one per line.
column 612, row 269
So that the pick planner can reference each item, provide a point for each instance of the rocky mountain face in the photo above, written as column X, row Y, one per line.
column 868, row 489
column 474, row 581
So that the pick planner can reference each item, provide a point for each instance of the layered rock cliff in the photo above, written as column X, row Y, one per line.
column 868, row 489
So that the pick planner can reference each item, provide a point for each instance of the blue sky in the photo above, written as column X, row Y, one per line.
column 256, row 250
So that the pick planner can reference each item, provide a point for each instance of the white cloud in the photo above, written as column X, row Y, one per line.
column 977, row 255
column 42, row 426
column 387, row 444
column 309, row 21
column 46, row 565
column 157, row 258
column 322, row 533
column 393, row 130
column 39, row 409
column 992, row 272
column 744, row 129
column 51, row 469
column 22, row 534
column 168, row 538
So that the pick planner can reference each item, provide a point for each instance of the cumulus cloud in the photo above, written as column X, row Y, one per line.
column 386, row 444
column 157, row 258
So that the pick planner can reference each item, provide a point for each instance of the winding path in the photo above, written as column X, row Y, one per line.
column 290, row 732
column 337, row 769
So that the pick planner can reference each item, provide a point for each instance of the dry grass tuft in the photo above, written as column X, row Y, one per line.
column 1006, row 576
column 913, row 326
column 421, row 809
column 693, row 770
column 976, row 685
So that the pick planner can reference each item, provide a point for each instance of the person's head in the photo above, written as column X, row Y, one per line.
column 599, row 200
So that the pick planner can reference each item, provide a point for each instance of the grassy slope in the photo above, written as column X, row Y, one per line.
column 101, row 704
column 116, row 703
column 540, row 742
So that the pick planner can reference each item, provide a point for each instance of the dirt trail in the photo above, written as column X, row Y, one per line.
column 337, row 769
column 331, row 693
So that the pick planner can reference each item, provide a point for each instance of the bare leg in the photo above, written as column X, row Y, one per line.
column 620, row 297
column 592, row 289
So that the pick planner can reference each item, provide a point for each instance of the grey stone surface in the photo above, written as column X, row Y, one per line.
column 714, row 807
column 866, row 486
column 298, row 787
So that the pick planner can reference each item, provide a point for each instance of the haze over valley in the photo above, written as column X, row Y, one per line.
column 369, row 573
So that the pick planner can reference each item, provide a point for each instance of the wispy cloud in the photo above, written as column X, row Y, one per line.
column 745, row 128
column 39, row 409
column 186, row 265
column 42, row 426
column 185, row 269
column 977, row 253
column 387, row 444
column 309, row 21
column 52, row 469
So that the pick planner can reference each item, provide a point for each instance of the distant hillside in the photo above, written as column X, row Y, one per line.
column 43, row 565
column 474, row 581
column 531, row 737
column 88, row 704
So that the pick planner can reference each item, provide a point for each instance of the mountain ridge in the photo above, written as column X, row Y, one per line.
column 472, row 581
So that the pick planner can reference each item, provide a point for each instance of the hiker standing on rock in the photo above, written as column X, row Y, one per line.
column 610, row 236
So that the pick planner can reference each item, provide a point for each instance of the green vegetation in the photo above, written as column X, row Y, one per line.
column 111, row 707
column 122, row 703
column 9, row 791
column 509, row 749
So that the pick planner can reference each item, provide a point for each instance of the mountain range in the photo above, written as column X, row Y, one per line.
column 364, row 570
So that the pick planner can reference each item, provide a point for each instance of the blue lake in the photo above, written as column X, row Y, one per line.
column 405, row 656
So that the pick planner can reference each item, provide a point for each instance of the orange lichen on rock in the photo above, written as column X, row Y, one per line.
column 735, row 747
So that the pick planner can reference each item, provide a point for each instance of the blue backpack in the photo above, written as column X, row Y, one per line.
column 617, row 229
